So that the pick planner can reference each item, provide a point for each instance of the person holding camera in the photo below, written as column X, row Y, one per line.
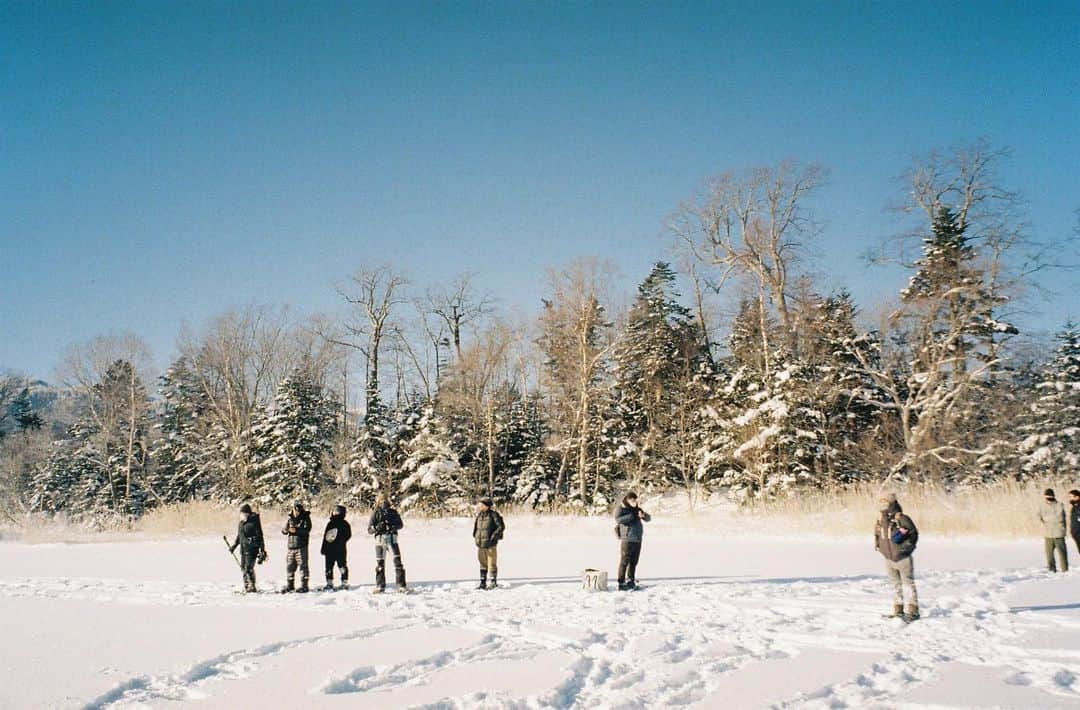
column 384, row 524
column 249, row 538
column 488, row 529
column 629, row 531
column 895, row 537
column 337, row 534
column 298, row 528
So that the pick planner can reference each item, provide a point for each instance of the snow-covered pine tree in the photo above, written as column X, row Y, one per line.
column 291, row 440
column 654, row 363
column 847, row 396
column 951, row 335
column 432, row 474
column 1051, row 443
column 181, row 470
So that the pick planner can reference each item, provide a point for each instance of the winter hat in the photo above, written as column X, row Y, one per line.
column 245, row 508
column 630, row 496
column 1074, row 492
column 339, row 510
column 297, row 505
column 1049, row 493
column 485, row 501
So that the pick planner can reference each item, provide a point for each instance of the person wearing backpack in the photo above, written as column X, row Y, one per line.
column 337, row 535
column 895, row 537
column 629, row 530
column 488, row 529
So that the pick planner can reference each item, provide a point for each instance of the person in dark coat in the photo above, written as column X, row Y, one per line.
column 252, row 544
column 384, row 524
column 630, row 532
column 488, row 529
column 895, row 537
column 298, row 528
column 336, row 536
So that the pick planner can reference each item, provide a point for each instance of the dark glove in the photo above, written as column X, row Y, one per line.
column 262, row 557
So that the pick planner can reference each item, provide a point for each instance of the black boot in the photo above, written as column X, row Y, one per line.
column 380, row 576
column 344, row 577
column 288, row 588
column 329, row 587
column 399, row 573
column 494, row 580
column 483, row 579
column 303, row 586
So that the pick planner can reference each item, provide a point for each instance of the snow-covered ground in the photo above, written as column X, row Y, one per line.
column 726, row 620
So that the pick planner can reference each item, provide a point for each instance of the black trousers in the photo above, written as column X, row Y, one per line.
column 248, row 558
column 337, row 558
column 629, row 552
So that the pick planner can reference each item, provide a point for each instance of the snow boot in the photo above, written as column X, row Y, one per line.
column 288, row 588
column 303, row 587
column 897, row 612
column 494, row 582
column 483, row 579
column 912, row 613
column 378, row 590
column 328, row 587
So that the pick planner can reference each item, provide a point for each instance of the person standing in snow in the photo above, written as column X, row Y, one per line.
column 1074, row 517
column 488, row 529
column 630, row 531
column 249, row 538
column 337, row 534
column 895, row 537
column 1052, row 517
column 298, row 528
column 384, row 525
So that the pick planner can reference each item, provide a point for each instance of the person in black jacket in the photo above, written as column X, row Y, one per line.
column 488, row 529
column 298, row 528
column 1074, row 517
column 249, row 538
column 895, row 537
column 337, row 534
column 630, row 532
column 384, row 525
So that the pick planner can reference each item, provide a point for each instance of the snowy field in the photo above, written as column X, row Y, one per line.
column 725, row 620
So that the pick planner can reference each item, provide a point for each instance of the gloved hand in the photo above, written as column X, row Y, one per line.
column 262, row 557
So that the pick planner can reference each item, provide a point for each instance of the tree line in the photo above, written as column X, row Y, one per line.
column 728, row 371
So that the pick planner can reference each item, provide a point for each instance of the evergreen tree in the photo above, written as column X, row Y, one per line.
column 432, row 474
column 181, row 455
column 23, row 414
column 291, row 440
column 655, row 361
column 1051, row 445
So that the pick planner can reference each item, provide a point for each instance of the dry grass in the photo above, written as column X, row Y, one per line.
column 1003, row 510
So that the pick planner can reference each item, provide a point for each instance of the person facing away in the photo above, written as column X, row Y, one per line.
column 630, row 531
column 384, row 525
column 1074, row 517
column 1052, row 518
column 298, row 529
column 335, row 537
column 895, row 537
column 488, row 529
column 252, row 544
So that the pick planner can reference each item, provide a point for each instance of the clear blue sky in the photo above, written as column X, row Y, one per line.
column 164, row 161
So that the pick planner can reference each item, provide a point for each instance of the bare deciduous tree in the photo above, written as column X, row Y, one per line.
column 754, row 225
